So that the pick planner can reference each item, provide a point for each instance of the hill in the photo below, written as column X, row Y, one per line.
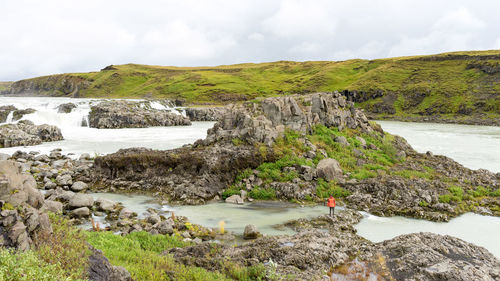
column 460, row 86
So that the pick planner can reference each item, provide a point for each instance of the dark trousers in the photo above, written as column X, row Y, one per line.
column 332, row 211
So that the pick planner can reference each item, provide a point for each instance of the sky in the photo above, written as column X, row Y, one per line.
column 57, row 36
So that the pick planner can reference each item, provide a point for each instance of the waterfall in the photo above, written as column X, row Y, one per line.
column 10, row 117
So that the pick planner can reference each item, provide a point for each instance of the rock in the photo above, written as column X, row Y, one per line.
column 25, row 133
column 79, row 186
column 250, row 232
column 401, row 154
column 64, row 180
column 428, row 256
column 106, row 205
column 126, row 213
column 81, row 200
column 66, row 107
column 329, row 169
column 235, row 199
column 54, row 206
column 153, row 219
column 4, row 156
column 129, row 114
column 81, row 212
column 85, row 156
column 361, row 140
column 165, row 227
column 205, row 113
column 99, row 269
column 342, row 140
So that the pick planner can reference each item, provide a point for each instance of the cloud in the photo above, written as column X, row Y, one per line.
column 54, row 36
column 455, row 31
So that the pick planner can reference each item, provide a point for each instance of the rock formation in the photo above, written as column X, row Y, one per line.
column 205, row 113
column 128, row 114
column 26, row 133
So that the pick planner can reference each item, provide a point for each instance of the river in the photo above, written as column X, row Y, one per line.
column 473, row 146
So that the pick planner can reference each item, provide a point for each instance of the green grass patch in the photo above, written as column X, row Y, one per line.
column 324, row 189
column 263, row 193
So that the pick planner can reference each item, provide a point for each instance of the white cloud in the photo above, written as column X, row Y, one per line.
column 54, row 36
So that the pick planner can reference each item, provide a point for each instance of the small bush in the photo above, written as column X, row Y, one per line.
column 495, row 193
column 480, row 191
column 423, row 204
column 446, row 198
column 230, row 191
column 324, row 189
column 27, row 266
column 363, row 174
column 262, row 193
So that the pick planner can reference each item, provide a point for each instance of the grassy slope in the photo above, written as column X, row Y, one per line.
column 4, row 85
column 420, row 85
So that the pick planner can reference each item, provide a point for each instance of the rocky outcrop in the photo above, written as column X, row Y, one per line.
column 66, row 107
column 428, row 256
column 17, row 114
column 242, row 139
column 25, row 133
column 99, row 269
column 23, row 214
column 128, row 114
column 205, row 113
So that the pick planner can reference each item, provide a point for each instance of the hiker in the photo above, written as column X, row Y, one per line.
column 331, row 204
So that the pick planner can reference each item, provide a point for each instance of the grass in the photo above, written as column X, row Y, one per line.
column 141, row 254
column 412, row 86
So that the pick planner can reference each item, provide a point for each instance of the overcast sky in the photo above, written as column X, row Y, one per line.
column 55, row 36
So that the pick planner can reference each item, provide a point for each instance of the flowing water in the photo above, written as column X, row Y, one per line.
column 474, row 147
column 80, row 139
column 477, row 229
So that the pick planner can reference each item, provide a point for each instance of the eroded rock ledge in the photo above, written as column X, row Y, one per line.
column 129, row 114
column 26, row 133
column 243, row 139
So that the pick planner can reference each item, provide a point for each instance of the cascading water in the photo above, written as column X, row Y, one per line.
column 78, row 139
column 9, row 117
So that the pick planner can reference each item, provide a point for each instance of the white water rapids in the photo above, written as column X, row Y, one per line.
column 473, row 146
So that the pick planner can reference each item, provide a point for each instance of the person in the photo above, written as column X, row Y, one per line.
column 331, row 204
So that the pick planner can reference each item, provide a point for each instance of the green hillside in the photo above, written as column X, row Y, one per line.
column 452, row 84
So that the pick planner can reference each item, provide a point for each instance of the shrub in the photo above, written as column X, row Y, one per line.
column 262, row 193
column 324, row 189
column 65, row 246
column 480, row 191
column 230, row 191
column 495, row 193
column 27, row 266
column 423, row 204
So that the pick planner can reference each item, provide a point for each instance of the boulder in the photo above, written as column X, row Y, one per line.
column 54, row 206
column 165, row 227
column 106, row 205
column 235, row 199
column 79, row 186
column 329, row 169
column 81, row 212
column 81, row 200
column 250, row 232
column 66, row 107
column 100, row 269
column 64, row 180
column 25, row 133
column 126, row 213
column 342, row 140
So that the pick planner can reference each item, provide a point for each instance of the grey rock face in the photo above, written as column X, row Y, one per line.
column 205, row 113
column 127, row 114
column 428, row 256
column 329, row 169
column 25, row 133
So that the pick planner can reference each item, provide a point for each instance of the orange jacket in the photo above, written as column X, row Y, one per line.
column 331, row 202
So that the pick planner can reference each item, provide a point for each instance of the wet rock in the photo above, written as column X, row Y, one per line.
column 128, row 114
column 250, row 232
column 329, row 169
column 25, row 133
column 234, row 199
column 66, row 107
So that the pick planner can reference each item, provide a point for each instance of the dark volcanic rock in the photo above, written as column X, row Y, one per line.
column 127, row 114
column 26, row 133
column 99, row 269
